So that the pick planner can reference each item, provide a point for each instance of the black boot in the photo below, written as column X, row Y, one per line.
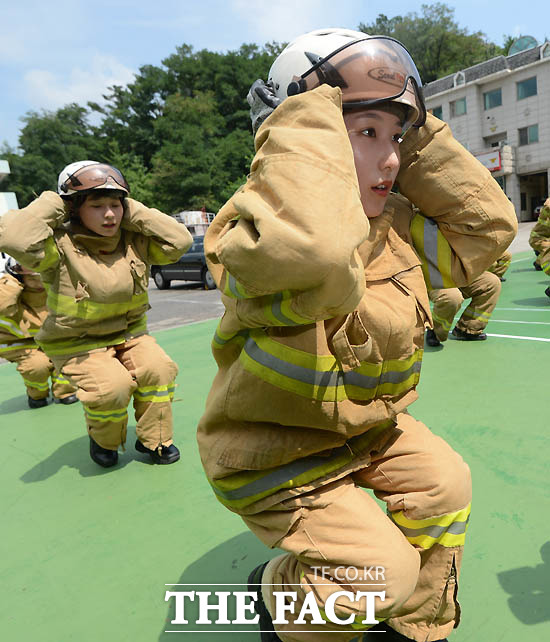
column 37, row 403
column 431, row 339
column 391, row 635
column 461, row 335
column 103, row 456
column 66, row 400
column 537, row 267
column 266, row 625
column 547, row 291
column 168, row 454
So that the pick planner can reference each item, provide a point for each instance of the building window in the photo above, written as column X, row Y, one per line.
column 528, row 135
column 459, row 79
column 523, row 197
column 545, row 51
column 438, row 112
column 501, row 180
column 458, row 107
column 492, row 99
column 527, row 88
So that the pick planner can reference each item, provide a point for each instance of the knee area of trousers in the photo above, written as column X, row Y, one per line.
column 401, row 578
column 161, row 372
column 117, row 393
column 452, row 485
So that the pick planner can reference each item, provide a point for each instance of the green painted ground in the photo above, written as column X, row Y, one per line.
column 86, row 553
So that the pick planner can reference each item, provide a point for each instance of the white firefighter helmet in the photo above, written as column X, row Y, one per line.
column 86, row 175
column 370, row 70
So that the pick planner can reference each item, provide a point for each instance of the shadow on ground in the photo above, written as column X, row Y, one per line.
column 529, row 589
column 229, row 562
column 534, row 301
column 75, row 454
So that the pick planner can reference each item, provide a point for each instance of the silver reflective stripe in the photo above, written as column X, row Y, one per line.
column 232, row 284
column 430, row 252
column 331, row 378
column 278, row 313
column 294, row 469
column 456, row 528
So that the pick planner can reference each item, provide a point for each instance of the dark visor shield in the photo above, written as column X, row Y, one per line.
column 369, row 72
column 94, row 176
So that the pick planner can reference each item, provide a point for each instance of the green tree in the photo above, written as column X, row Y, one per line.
column 48, row 142
column 438, row 45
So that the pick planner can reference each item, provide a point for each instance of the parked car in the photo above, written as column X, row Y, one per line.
column 190, row 267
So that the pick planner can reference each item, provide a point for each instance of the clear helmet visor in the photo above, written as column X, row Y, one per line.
column 369, row 72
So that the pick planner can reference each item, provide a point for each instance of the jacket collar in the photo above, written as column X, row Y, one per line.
column 94, row 243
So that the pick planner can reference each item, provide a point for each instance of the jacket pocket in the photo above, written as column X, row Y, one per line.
column 139, row 275
column 352, row 343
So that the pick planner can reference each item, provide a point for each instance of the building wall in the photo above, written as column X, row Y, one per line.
column 8, row 200
column 527, row 167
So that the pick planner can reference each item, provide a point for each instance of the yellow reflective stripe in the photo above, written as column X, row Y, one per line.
column 319, row 377
column 444, row 323
column 64, row 305
column 546, row 267
column 246, row 487
column 477, row 314
column 119, row 414
column 156, row 254
column 279, row 312
column 71, row 346
column 39, row 385
column 9, row 347
column 221, row 339
column 155, row 394
column 434, row 251
column 51, row 255
column 234, row 289
column 12, row 327
column 446, row 530
column 60, row 379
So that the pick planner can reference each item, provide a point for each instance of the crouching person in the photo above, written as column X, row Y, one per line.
column 22, row 312
column 93, row 247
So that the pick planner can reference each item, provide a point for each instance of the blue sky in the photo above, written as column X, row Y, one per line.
column 53, row 53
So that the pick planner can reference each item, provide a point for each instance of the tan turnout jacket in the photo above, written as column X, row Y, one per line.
column 22, row 312
column 322, row 336
column 97, row 286
column 539, row 239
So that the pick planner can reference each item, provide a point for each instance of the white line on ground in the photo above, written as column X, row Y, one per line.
column 511, row 336
column 520, row 260
column 523, row 309
column 530, row 322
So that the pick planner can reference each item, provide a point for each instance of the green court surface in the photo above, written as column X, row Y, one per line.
column 87, row 553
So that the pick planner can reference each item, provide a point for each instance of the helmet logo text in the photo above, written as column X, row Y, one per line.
column 388, row 75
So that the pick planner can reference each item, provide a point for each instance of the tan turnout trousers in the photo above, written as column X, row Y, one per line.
column 107, row 378
column 339, row 530
column 483, row 292
column 36, row 369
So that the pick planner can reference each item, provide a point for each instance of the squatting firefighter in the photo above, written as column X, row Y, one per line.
column 93, row 245
column 539, row 240
column 22, row 312
column 322, row 273
column 483, row 291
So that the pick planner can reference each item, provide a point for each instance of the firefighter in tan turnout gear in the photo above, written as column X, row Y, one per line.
column 319, row 349
column 93, row 246
column 22, row 312
column 484, row 292
column 539, row 240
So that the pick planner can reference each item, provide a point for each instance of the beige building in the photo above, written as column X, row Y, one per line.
column 8, row 200
column 500, row 111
